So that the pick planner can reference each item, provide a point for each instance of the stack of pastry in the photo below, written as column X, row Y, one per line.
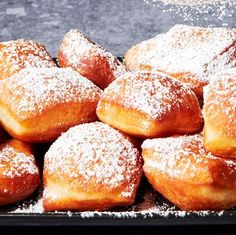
column 195, row 172
column 95, row 160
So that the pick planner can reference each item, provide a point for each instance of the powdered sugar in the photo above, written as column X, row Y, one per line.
column 145, row 214
column 76, row 46
column 161, row 210
column 179, row 154
column 184, row 49
column 149, row 204
column 33, row 207
column 96, row 153
column 189, row 2
column 211, row 13
column 37, row 89
column 15, row 164
column 153, row 94
column 220, row 99
column 16, row 55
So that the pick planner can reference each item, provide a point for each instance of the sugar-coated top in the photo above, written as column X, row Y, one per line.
column 36, row 89
column 154, row 94
column 176, row 156
column 220, row 100
column 76, row 46
column 16, row 163
column 95, row 154
column 22, row 53
column 201, row 51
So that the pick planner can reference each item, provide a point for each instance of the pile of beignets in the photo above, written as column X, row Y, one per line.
column 168, row 111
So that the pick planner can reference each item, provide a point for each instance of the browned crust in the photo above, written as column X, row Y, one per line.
column 50, row 123
column 135, row 122
column 133, row 62
column 220, row 115
column 213, row 187
column 93, row 64
column 7, row 64
column 63, row 194
column 19, row 187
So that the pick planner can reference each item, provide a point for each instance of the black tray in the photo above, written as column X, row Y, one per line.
column 150, row 209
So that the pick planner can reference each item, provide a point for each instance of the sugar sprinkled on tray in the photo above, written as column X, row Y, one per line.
column 33, row 207
column 149, row 208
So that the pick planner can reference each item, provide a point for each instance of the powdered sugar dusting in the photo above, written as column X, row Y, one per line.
column 34, row 207
column 162, row 212
column 153, row 94
column 40, row 88
column 189, row 2
column 179, row 154
column 96, row 153
column 76, row 46
column 152, row 205
column 195, row 50
column 19, row 54
column 198, row 12
column 220, row 99
column 18, row 163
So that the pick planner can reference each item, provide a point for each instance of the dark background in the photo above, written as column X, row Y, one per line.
column 117, row 25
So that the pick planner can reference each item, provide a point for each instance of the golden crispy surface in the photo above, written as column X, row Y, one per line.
column 189, row 54
column 189, row 176
column 146, row 104
column 220, row 114
column 19, row 54
column 19, row 175
column 89, row 59
column 91, row 166
column 37, row 104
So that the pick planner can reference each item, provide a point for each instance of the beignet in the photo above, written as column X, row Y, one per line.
column 189, row 54
column 147, row 105
column 220, row 114
column 189, row 176
column 20, row 54
column 19, row 174
column 38, row 104
column 91, row 167
column 89, row 59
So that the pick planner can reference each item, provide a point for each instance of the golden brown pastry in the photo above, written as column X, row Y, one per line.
column 19, row 175
column 189, row 54
column 220, row 114
column 91, row 167
column 19, row 54
column 146, row 104
column 89, row 59
column 37, row 104
column 189, row 176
